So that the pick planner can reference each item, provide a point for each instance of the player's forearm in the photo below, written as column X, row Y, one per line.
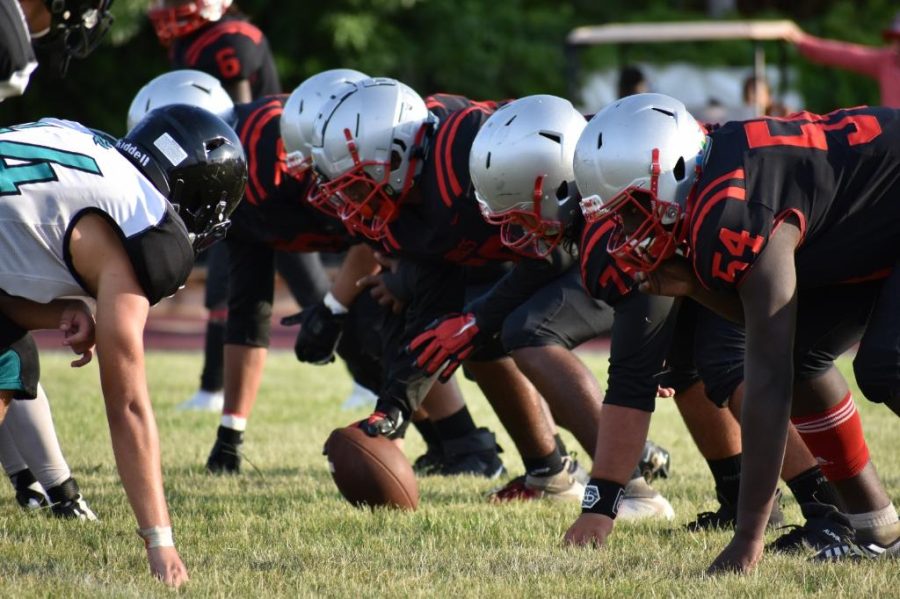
column 136, row 447
column 359, row 262
column 33, row 315
column 621, row 433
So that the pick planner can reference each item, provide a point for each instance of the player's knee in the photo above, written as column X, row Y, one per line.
column 879, row 383
column 835, row 438
column 250, row 325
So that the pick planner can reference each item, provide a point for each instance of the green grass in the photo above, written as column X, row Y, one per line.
column 284, row 531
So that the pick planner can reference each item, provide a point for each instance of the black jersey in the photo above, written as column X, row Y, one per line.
column 17, row 59
column 447, row 224
column 444, row 104
column 837, row 174
column 275, row 211
column 230, row 50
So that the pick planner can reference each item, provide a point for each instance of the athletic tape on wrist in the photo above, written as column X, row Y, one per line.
column 602, row 497
column 157, row 536
column 333, row 305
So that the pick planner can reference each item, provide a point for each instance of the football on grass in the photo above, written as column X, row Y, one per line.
column 370, row 471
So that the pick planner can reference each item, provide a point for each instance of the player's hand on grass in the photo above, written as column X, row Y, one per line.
column 589, row 530
column 740, row 556
column 674, row 277
column 77, row 325
column 166, row 565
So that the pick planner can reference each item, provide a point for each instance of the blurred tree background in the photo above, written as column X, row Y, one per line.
column 480, row 48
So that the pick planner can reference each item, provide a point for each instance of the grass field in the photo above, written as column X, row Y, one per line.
column 282, row 530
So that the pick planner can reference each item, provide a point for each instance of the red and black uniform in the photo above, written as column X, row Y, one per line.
column 657, row 340
column 274, row 215
column 230, row 49
column 838, row 177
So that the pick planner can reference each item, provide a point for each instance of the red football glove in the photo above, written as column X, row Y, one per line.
column 445, row 344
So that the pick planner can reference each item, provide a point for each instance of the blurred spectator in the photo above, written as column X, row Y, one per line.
column 632, row 81
column 882, row 64
column 757, row 97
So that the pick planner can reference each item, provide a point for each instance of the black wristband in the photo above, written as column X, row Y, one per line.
column 602, row 497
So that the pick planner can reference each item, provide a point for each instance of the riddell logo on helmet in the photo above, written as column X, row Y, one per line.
column 134, row 151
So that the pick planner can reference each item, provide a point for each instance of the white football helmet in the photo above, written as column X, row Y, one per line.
column 521, row 166
column 186, row 86
column 637, row 161
column 367, row 146
column 301, row 109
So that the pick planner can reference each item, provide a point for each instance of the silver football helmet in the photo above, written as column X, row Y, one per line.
column 301, row 109
column 637, row 161
column 367, row 146
column 185, row 86
column 521, row 166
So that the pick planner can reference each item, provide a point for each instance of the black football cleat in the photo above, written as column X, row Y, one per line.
column 725, row 517
column 66, row 501
column 225, row 456
column 475, row 454
column 825, row 526
column 29, row 493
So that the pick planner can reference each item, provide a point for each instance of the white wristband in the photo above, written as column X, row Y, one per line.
column 157, row 536
column 333, row 305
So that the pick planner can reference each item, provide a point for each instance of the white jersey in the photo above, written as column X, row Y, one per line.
column 51, row 172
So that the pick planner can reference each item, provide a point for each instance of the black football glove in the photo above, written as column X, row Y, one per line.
column 320, row 332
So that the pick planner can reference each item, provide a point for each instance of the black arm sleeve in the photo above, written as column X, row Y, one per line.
column 641, row 335
column 519, row 284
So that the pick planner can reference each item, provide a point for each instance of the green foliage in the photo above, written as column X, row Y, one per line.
column 482, row 49
column 283, row 531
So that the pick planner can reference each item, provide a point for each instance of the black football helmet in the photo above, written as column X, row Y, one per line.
column 196, row 161
column 76, row 28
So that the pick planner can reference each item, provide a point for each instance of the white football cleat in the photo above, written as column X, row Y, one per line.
column 204, row 401
column 360, row 397
column 642, row 501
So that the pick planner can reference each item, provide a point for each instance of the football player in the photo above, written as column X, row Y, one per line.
column 211, row 36
column 539, row 310
column 275, row 217
column 119, row 221
column 29, row 449
column 397, row 173
column 59, row 29
column 790, row 228
column 537, row 149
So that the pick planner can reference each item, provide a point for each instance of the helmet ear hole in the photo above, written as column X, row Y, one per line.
column 396, row 160
column 679, row 170
column 215, row 143
column 562, row 192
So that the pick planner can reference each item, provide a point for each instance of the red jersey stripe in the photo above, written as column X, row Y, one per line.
column 250, row 135
column 440, row 144
column 214, row 33
column 589, row 247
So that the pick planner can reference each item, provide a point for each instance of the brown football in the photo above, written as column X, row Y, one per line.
column 370, row 471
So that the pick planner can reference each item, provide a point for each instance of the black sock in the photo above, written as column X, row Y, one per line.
column 229, row 435
column 548, row 465
column 213, row 376
column 727, row 474
column 22, row 479
column 560, row 446
column 456, row 425
column 428, row 431
column 811, row 486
